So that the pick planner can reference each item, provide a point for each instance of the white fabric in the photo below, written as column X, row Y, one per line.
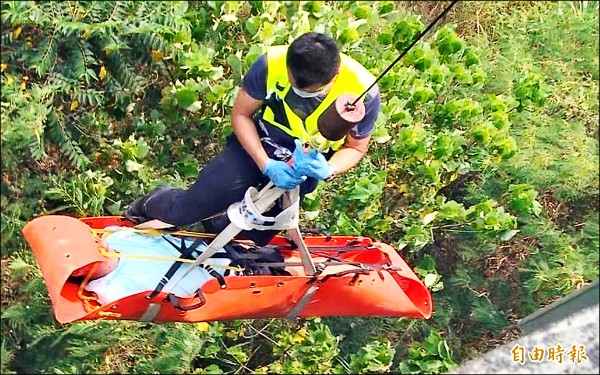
column 132, row 276
column 246, row 215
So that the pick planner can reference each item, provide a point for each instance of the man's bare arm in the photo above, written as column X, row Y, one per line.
column 244, row 129
column 350, row 154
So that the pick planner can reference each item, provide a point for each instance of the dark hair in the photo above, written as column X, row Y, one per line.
column 312, row 59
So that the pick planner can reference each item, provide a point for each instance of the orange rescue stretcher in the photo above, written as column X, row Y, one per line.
column 351, row 276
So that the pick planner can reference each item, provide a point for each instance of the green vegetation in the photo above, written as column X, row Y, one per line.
column 483, row 171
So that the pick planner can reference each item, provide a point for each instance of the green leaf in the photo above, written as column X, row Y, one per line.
column 429, row 217
column 507, row 147
column 470, row 57
column 311, row 215
column 362, row 12
column 142, row 148
column 385, row 38
column 194, row 107
column 133, row 166
column 484, row 132
column 432, row 366
column 453, row 211
column 381, row 135
column 252, row 24
column 213, row 369
column 507, row 235
column 430, row 279
column 423, row 94
column 444, row 350
column 18, row 265
column 426, row 264
column 437, row 73
column 236, row 65
column 500, row 120
column 385, row 6
column 115, row 208
column 186, row 97
column 349, row 35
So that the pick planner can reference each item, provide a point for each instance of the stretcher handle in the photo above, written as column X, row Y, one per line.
column 175, row 301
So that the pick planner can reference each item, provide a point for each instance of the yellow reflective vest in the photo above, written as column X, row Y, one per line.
column 353, row 78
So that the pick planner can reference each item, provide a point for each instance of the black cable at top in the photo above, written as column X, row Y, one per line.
column 405, row 52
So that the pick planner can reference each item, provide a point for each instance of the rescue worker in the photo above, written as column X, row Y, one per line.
column 276, row 111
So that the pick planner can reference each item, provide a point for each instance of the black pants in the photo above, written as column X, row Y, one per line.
column 223, row 181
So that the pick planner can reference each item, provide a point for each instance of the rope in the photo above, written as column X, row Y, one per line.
column 405, row 51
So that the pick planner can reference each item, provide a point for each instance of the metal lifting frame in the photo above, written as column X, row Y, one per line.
column 263, row 201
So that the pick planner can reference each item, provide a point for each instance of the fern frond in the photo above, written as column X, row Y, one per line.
column 77, row 63
column 36, row 147
column 155, row 42
column 71, row 29
column 60, row 83
column 115, row 93
column 6, row 358
column 118, row 69
column 89, row 97
column 14, row 12
column 46, row 58
column 119, row 12
column 69, row 147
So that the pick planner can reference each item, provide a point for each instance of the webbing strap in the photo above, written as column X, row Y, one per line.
column 185, row 253
column 303, row 301
column 151, row 311
column 307, row 263
column 296, row 236
column 162, row 232
column 211, row 271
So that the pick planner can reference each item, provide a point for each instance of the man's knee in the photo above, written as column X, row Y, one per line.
column 182, row 213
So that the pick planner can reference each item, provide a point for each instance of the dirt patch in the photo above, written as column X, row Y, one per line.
column 6, row 295
column 124, row 356
column 505, row 262
column 456, row 189
column 489, row 341
column 568, row 215
column 444, row 251
column 428, row 10
column 10, row 285
column 54, row 163
column 557, row 211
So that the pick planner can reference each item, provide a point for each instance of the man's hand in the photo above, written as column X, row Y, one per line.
column 310, row 163
column 282, row 175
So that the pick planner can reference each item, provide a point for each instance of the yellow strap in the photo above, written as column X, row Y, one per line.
column 159, row 232
column 109, row 314
column 87, row 304
column 114, row 254
column 154, row 232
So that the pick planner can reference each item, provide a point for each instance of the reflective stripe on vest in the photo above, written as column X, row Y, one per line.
column 353, row 78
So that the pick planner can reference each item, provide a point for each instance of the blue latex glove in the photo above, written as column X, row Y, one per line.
column 282, row 175
column 310, row 163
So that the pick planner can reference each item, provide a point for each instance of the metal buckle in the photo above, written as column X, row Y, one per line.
column 318, row 142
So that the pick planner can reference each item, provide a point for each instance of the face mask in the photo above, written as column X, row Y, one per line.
column 304, row 94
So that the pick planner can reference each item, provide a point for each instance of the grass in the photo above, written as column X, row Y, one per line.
column 557, row 252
